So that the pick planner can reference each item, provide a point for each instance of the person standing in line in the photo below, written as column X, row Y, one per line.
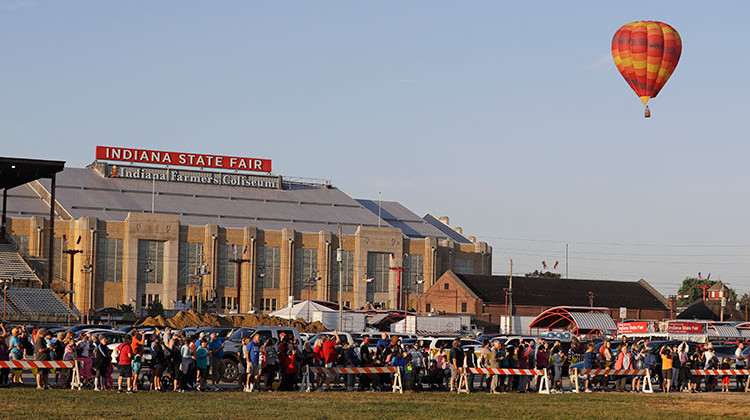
column 216, row 349
column 4, row 357
column 456, row 358
column 124, row 354
column 666, row 367
column 271, row 363
column 740, row 363
column 102, row 359
column 42, row 354
column 201, row 363
column 558, row 359
column 589, row 362
column 253, row 363
column 331, row 356
column 187, row 364
column 484, row 361
column 637, row 356
column 493, row 362
column 624, row 359
column 16, row 353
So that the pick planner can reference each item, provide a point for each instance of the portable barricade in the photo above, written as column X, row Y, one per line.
column 463, row 383
column 646, row 383
column 396, row 371
column 722, row 372
column 75, row 379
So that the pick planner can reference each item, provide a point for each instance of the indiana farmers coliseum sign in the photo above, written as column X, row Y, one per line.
column 194, row 177
column 198, row 160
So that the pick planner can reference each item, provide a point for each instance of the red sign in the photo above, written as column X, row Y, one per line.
column 632, row 327
column 182, row 159
column 685, row 328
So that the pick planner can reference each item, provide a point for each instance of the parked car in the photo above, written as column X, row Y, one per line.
column 233, row 352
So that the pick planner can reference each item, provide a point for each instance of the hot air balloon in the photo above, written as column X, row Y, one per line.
column 646, row 54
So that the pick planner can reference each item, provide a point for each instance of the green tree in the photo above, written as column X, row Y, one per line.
column 690, row 288
column 126, row 309
column 547, row 274
column 155, row 308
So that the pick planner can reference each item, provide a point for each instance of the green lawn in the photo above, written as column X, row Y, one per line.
column 30, row 403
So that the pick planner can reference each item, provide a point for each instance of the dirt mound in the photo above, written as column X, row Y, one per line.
column 194, row 319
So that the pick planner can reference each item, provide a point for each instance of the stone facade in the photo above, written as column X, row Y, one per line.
column 94, row 290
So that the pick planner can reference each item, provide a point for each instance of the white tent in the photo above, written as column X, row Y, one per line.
column 301, row 310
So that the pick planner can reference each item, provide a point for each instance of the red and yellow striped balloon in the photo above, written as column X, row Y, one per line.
column 646, row 54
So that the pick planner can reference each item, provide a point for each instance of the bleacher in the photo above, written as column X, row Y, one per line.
column 13, row 266
column 38, row 304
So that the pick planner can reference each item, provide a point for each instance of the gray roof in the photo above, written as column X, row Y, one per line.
column 413, row 226
column 302, row 207
column 446, row 230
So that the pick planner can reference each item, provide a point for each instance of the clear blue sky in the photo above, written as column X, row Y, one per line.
column 509, row 117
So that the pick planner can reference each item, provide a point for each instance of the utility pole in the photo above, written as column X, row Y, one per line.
column 72, row 253
column 309, row 282
column 239, row 262
column 510, row 288
column 398, row 270
column 340, row 260
column 566, row 261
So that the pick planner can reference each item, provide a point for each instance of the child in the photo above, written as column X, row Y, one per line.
column 725, row 379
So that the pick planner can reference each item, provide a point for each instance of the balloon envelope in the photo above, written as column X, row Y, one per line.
column 646, row 54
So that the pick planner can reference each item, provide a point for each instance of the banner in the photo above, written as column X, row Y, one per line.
column 685, row 328
column 632, row 327
column 198, row 160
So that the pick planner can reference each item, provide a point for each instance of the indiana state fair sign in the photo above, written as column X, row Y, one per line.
column 187, row 159
column 198, row 160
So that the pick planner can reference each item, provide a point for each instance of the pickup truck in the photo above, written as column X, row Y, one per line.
column 233, row 350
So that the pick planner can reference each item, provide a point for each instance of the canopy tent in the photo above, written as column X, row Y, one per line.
column 301, row 310
column 726, row 331
column 576, row 319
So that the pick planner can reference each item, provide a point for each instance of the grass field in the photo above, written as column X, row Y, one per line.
column 30, row 403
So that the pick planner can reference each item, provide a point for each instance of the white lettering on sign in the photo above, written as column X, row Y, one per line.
column 183, row 159
column 195, row 177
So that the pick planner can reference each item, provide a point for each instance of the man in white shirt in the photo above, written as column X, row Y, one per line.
column 741, row 363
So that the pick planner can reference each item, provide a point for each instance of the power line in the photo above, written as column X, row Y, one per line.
column 618, row 243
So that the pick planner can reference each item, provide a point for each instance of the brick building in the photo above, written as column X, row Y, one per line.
column 484, row 296
column 136, row 234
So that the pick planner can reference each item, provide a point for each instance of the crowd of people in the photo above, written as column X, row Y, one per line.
column 181, row 363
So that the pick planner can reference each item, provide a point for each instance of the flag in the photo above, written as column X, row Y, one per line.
column 683, row 296
column 556, row 263
column 544, row 264
column 78, row 242
column 244, row 251
column 708, row 277
column 65, row 238
column 234, row 248
column 700, row 276
column 369, row 280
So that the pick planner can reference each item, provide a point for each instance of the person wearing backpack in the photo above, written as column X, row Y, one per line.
column 124, row 355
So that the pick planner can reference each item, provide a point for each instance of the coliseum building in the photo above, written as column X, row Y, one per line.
column 139, row 229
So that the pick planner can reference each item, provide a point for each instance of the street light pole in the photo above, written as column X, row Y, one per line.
column 398, row 270
column 340, row 260
column 239, row 262
column 309, row 282
column 72, row 253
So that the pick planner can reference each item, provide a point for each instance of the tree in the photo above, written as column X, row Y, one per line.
column 126, row 309
column 155, row 308
column 690, row 288
column 546, row 274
